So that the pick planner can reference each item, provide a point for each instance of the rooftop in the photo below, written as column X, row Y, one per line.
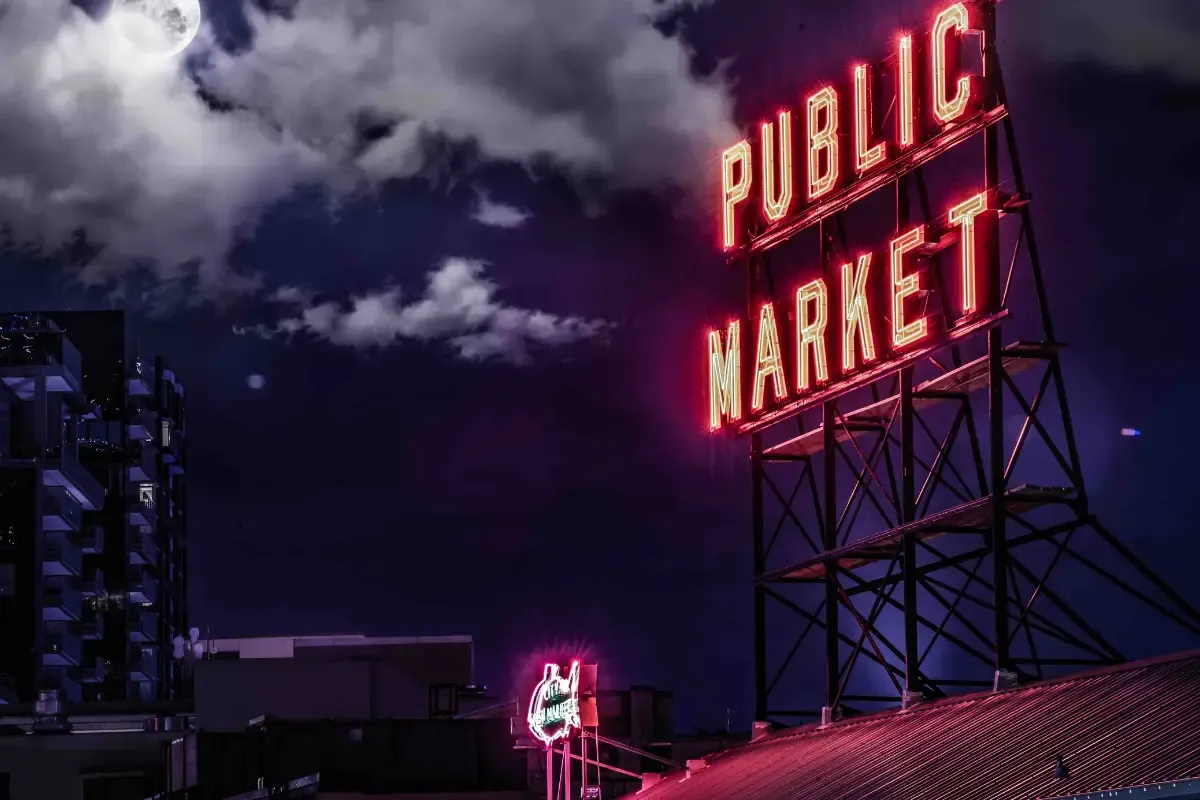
column 1130, row 726
column 286, row 646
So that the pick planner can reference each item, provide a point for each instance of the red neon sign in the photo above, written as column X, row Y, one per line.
column 554, row 705
column 871, row 312
column 854, row 321
column 843, row 139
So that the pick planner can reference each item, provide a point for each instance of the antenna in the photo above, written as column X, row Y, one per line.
column 190, row 649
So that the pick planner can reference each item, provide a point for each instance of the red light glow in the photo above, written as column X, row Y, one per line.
column 954, row 20
column 822, row 138
column 734, row 191
column 777, row 202
column 810, row 330
column 841, row 149
column 906, row 115
column 963, row 215
column 554, row 705
column 768, row 363
column 866, row 155
column 724, row 375
column 846, row 153
column 904, row 286
column 856, row 315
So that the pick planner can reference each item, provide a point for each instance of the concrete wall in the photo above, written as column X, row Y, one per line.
column 327, row 683
column 53, row 767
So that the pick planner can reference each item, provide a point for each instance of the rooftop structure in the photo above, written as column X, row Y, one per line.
column 1131, row 727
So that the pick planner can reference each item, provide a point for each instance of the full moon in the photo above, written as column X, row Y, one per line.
column 156, row 27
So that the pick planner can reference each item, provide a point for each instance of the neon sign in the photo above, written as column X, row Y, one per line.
column 855, row 318
column 554, row 706
column 844, row 146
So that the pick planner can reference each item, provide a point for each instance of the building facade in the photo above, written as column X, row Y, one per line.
column 93, row 513
column 343, row 677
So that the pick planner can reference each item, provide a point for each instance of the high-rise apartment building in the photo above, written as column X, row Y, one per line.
column 93, row 512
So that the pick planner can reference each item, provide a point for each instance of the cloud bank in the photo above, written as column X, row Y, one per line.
column 102, row 145
column 589, row 86
column 1146, row 35
column 459, row 307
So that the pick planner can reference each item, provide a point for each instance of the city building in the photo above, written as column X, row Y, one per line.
column 344, row 677
column 93, row 511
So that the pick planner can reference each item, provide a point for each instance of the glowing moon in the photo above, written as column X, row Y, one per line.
column 156, row 27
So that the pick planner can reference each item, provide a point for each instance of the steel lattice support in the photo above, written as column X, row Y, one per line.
column 904, row 528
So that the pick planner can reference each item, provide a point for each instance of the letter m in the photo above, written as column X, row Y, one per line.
column 725, row 375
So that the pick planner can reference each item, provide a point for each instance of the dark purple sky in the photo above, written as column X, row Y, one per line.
column 578, row 499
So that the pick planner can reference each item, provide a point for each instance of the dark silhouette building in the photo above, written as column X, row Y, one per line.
column 93, row 511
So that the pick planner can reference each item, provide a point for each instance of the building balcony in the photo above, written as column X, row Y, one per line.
column 61, row 511
column 91, row 542
column 63, row 470
column 91, row 627
column 61, row 557
column 142, row 549
column 144, row 664
column 142, row 512
column 62, row 603
column 93, row 670
column 141, row 422
column 143, row 625
column 61, row 648
column 37, row 347
column 142, row 466
column 143, row 587
column 140, row 384
column 93, row 581
column 63, row 679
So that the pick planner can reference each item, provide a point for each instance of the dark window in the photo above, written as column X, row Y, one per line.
column 118, row 787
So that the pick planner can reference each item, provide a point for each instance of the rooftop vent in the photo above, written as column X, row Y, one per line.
column 650, row 779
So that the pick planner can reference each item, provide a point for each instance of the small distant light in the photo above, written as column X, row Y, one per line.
column 1130, row 432
column 256, row 381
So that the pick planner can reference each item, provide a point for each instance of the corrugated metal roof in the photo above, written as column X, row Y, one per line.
column 1126, row 726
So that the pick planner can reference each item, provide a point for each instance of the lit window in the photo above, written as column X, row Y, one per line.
column 146, row 494
column 166, row 433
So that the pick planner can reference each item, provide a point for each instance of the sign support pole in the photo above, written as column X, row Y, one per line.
column 567, row 768
column 550, row 773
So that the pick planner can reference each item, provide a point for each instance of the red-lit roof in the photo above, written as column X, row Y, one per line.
column 1121, row 727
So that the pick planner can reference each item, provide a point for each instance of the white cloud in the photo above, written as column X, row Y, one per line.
column 459, row 307
column 591, row 86
column 96, row 139
column 498, row 215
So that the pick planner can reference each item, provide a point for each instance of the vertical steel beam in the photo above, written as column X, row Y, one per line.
column 906, row 503
column 828, row 542
column 760, row 591
column 996, row 447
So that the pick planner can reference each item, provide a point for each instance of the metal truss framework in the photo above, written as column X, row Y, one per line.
column 955, row 567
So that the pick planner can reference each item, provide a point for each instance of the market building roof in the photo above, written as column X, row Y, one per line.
column 1136, row 725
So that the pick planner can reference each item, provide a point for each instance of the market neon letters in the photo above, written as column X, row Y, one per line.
column 554, row 705
column 842, row 316
column 843, row 138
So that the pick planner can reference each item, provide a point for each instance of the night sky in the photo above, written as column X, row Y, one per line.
column 546, row 480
